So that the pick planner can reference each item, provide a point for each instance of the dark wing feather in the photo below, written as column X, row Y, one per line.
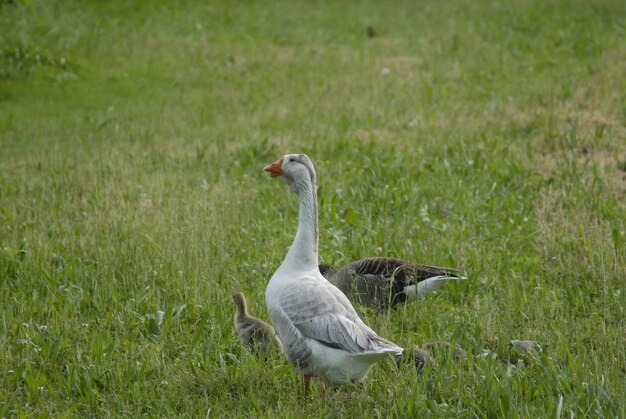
column 389, row 266
column 380, row 281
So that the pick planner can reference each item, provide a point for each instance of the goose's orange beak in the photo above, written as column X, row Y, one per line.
column 275, row 169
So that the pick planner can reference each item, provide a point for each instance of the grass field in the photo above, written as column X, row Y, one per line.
column 490, row 136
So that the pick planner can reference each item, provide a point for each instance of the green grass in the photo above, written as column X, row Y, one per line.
column 132, row 138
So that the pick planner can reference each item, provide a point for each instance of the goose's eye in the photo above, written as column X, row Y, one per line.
column 292, row 159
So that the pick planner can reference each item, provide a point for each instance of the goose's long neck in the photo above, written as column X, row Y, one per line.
column 303, row 252
column 240, row 303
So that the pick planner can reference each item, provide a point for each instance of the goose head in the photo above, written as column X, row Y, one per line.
column 293, row 169
column 240, row 302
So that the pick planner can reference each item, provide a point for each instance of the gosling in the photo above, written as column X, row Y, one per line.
column 254, row 334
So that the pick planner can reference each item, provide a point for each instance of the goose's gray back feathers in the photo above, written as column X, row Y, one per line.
column 382, row 282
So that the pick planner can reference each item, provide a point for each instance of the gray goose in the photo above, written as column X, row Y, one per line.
column 254, row 334
column 381, row 282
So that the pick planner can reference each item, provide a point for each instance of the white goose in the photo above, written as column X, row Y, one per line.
column 321, row 332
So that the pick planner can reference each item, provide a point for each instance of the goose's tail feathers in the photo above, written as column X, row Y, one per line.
column 429, row 285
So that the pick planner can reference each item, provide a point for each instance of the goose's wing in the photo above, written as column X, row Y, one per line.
column 428, row 271
column 318, row 310
column 400, row 269
column 366, row 289
column 380, row 282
